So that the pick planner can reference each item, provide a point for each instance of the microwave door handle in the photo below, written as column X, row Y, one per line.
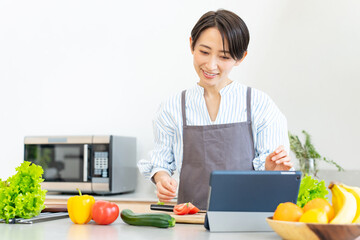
column 85, row 170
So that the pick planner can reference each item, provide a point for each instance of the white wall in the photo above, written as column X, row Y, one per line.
column 103, row 67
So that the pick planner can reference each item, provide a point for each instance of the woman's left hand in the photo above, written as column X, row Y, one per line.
column 279, row 160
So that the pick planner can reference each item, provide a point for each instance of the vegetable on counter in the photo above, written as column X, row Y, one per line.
column 104, row 212
column 79, row 208
column 161, row 220
column 21, row 194
column 311, row 188
column 185, row 208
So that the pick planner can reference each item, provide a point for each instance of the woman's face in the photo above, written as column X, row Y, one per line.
column 210, row 62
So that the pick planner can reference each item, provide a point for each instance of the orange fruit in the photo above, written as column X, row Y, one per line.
column 320, row 203
column 288, row 212
column 315, row 215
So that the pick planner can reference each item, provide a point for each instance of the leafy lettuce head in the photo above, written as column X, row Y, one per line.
column 21, row 195
column 311, row 188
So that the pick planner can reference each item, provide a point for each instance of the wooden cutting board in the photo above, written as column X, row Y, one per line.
column 136, row 207
column 197, row 218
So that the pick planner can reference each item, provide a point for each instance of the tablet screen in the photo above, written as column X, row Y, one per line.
column 252, row 191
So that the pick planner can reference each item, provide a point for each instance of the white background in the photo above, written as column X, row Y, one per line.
column 103, row 67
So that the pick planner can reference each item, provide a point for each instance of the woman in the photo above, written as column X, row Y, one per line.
column 218, row 124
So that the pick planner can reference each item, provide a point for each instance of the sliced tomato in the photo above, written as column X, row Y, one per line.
column 182, row 209
column 193, row 209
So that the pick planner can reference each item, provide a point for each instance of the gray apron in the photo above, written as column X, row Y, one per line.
column 213, row 147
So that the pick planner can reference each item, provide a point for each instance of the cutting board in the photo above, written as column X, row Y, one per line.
column 197, row 218
column 136, row 207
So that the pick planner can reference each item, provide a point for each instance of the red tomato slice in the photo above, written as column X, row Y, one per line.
column 193, row 209
column 182, row 209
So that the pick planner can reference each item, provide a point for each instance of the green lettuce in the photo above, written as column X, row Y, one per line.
column 311, row 188
column 21, row 194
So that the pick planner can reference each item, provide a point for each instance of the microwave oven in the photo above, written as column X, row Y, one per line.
column 94, row 164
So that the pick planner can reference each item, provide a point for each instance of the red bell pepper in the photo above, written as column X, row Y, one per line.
column 104, row 212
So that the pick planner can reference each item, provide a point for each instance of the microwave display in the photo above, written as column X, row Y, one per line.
column 61, row 163
column 100, row 160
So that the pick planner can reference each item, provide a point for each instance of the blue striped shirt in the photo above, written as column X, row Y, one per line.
column 269, row 125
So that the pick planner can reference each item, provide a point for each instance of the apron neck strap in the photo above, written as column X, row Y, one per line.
column 183, row 107
column 248, row 104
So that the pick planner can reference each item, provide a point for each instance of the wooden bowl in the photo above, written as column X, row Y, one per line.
column 313, row 231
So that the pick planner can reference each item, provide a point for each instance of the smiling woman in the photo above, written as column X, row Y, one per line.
column 211, row 63
column 218, row 124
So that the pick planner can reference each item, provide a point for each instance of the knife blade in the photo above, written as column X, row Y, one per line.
column 42, row 217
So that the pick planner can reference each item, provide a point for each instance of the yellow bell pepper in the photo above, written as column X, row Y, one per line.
column 79, row 208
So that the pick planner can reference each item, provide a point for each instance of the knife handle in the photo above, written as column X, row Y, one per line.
column 168, row 208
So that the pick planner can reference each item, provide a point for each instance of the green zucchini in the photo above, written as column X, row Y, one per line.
column 161, row 220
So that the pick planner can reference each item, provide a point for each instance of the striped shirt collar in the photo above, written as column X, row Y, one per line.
column 228, row 88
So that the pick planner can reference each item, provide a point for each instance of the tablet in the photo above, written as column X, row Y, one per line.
column 242, row 200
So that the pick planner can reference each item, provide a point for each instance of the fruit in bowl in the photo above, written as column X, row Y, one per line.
column 288, row 212
column 345, row 205
column 322, row 204
column 314, row 231
column 319, row 219
column 316, row 215
column 345, row 208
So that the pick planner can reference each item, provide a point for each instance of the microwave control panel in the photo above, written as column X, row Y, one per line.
column 101, row 164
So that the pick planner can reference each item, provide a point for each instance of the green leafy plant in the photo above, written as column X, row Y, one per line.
column 311, row 188
column 307, row 155
column 21, row 194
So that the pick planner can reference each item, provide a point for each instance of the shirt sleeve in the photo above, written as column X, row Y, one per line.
column 270, row 128
column 162, row 155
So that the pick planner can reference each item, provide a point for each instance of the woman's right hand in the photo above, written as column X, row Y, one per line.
column 166, row 186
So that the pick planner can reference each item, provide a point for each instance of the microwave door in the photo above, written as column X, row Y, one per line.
column 85, row 169
column 60, row 162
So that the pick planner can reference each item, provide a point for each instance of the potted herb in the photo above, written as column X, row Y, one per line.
column 307, row 155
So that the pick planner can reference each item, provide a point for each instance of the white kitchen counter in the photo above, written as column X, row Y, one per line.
column 65, row 229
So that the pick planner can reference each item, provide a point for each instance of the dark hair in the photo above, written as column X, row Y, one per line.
column 231, row 27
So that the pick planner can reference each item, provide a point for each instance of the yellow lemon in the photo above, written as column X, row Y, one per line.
column 316, row 215
column 320, row 203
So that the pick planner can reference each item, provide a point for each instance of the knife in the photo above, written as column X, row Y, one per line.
column 168, row 208
column 42, row 217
